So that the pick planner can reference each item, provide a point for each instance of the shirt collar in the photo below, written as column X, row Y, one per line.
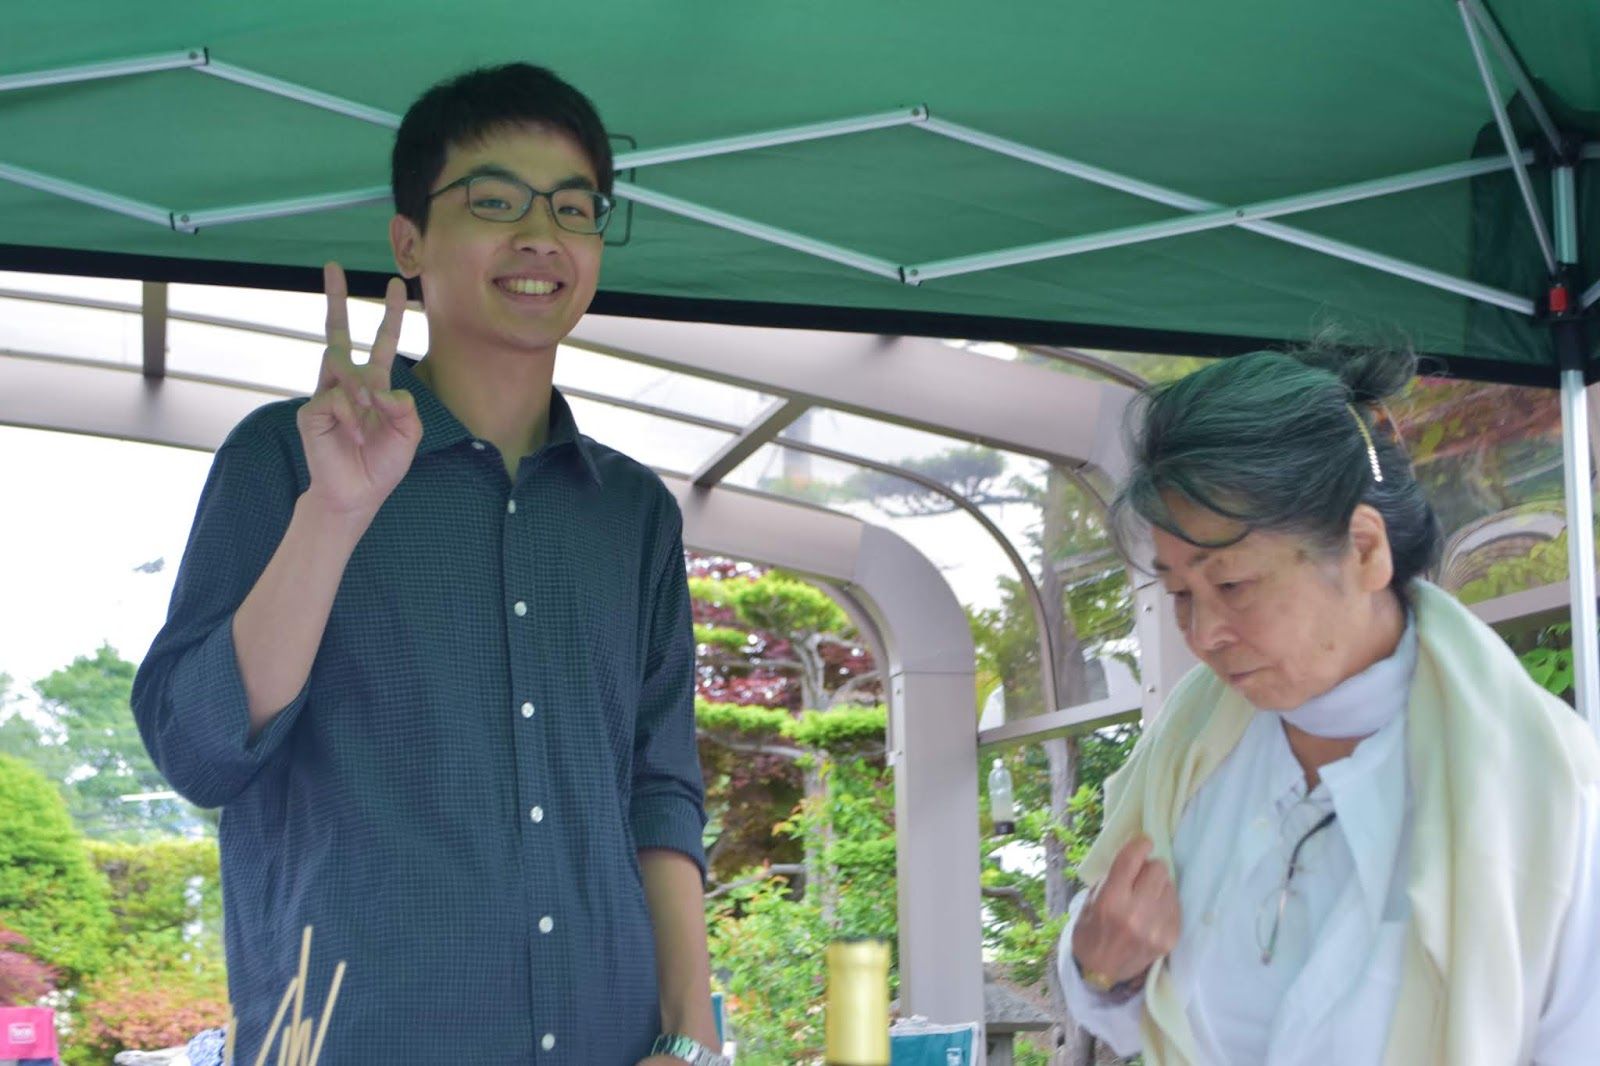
column 1369, row 792
column 441, row 429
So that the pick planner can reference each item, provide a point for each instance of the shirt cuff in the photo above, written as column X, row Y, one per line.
column 670, row 823
column 211, row 756
column 1114, row 1019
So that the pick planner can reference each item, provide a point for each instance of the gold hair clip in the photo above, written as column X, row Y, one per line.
column 1372, row 448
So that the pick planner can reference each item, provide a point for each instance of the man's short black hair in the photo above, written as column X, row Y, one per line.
column 477, row 104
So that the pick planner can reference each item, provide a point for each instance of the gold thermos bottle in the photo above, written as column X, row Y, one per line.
column 858, row 1003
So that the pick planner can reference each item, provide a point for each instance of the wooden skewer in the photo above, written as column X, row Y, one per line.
column 297, row 1047
column 277, row 1020
column 327, row 1012
column 299, row 997
column 302, row 1046
column 227, row 1039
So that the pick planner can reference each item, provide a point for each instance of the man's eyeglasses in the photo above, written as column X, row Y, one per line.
column 496, row 198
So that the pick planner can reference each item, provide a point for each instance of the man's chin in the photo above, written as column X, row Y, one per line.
column 532, row 337
column 537, row 334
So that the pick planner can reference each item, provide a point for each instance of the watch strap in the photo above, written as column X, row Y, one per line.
column 687, row 1048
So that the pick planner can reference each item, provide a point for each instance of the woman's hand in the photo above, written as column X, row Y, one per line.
column 1131, row 920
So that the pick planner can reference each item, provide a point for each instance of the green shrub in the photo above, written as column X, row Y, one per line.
column 50, row 892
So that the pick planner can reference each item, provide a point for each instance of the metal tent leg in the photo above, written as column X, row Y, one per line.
column 1580, row 544
column 1576, row 455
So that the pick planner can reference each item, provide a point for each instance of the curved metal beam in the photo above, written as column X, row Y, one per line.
column 1047, row 638
column 1030, row 586
column 1074, row 357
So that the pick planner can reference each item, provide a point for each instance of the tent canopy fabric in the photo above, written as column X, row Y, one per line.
column 1227, row 104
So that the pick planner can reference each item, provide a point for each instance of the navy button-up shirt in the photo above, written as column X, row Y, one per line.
column 499, row 717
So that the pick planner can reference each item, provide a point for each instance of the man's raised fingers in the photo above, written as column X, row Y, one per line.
column 395, row 404
column 338, row 325
column 340, row 374
column 348, row 419
column 388, row 339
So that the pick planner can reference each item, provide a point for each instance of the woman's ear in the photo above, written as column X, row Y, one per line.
column 1369, row 540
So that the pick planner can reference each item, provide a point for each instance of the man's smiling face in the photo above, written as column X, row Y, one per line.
column 508, row 285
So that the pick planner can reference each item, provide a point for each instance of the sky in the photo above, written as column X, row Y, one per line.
column 89, row 545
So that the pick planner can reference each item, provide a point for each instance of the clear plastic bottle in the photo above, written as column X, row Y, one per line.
column 1002, row 805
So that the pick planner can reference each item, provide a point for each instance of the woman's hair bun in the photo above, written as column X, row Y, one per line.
column 1372, row 374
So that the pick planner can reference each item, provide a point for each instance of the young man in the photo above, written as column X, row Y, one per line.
column 430, row 648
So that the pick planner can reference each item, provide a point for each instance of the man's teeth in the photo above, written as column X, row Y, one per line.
column 529, row 287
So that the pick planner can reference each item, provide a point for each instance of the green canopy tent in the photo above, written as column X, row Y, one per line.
column 1153, row 175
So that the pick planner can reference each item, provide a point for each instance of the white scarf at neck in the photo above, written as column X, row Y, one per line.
column 1361, row 705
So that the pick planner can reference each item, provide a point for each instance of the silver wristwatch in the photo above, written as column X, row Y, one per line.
column 689, row 1050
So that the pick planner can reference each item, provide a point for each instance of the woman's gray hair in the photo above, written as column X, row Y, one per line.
column 1271, row 440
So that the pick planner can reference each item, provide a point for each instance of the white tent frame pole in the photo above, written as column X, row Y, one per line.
column 115, row 68
column 1508, row 60
column 291, row 91
column 85, row 194
column 1579, row 482
column 1218, row 218
column 758, row 230
column 882, row 120
column 1508, row 135
column 1350, row 253
column 193, row 221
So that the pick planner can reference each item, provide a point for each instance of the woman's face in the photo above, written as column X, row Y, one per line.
column 1280, row 621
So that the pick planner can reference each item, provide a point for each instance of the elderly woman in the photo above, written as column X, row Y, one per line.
column 1358, row 832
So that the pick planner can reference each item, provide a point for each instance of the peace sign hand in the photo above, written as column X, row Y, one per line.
column 359, row 435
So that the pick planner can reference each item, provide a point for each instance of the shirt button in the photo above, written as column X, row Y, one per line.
column 548, row 1042
column 546, row 924
column 527, row 710
column 537, row 814
column 511, row 507
column 520, row 608
column 478, row 445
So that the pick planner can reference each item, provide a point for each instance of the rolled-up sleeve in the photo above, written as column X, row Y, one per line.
column 668, row 802
column 188, row 697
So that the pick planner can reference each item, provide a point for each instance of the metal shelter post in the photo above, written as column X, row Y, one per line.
column 1576, row 454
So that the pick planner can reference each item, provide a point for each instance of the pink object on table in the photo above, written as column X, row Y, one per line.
column 27, row 1033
